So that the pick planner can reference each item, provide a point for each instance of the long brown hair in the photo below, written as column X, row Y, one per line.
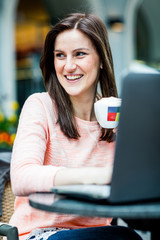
column 94, row 28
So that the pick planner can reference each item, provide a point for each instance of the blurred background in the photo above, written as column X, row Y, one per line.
column 134, row 34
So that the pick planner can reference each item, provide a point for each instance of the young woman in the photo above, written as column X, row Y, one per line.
column 58, row 139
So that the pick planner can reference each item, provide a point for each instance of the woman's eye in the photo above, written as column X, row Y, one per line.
column 59, row 55
column 80, row 54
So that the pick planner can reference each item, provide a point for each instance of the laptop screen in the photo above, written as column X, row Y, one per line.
column 136, row 174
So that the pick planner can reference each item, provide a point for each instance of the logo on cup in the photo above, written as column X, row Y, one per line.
column 113, row 114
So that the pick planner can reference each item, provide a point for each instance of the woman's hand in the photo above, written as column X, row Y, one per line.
column 84, row 175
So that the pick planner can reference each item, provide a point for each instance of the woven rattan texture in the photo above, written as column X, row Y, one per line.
column 7, row 204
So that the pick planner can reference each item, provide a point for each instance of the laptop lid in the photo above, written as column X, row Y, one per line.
column 136, row 174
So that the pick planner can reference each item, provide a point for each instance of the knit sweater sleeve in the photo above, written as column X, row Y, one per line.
column 28, row 172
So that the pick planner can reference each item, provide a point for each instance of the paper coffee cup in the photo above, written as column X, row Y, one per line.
column 107, row 111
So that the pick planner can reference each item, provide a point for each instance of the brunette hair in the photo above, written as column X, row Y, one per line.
column 95, row 30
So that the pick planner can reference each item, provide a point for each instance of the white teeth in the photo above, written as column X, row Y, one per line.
column 73, row 77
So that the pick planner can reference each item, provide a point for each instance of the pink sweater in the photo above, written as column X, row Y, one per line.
column 40, row 149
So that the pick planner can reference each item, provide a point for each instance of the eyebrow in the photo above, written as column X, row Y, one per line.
column 77, row 49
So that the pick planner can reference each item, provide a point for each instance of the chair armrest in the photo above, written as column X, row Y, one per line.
column 9, row 231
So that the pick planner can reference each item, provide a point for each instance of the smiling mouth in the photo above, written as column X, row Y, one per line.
column 73, row 77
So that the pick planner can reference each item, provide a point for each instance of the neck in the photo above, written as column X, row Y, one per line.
column 84, row 109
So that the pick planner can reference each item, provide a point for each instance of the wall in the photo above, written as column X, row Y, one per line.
column 7, row 55
column 151, row 10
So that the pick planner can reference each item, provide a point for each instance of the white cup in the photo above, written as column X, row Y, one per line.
column 107, row 111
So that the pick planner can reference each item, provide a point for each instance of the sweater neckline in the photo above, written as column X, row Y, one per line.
column 92, row 124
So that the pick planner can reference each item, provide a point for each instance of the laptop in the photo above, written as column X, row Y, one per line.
column 136, row 171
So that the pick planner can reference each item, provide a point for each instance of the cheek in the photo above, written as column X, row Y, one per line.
column 92, row 67
column 89, row 65
column 93, row 63
column 57, row 66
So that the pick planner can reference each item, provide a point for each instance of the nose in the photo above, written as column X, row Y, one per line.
column 70, row 64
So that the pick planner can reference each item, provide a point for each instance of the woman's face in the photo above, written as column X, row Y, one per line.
column 76, row 62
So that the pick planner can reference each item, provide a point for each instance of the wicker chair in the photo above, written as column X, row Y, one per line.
column 7, row 209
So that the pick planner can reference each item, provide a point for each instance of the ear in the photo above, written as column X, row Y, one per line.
column 101, row 65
